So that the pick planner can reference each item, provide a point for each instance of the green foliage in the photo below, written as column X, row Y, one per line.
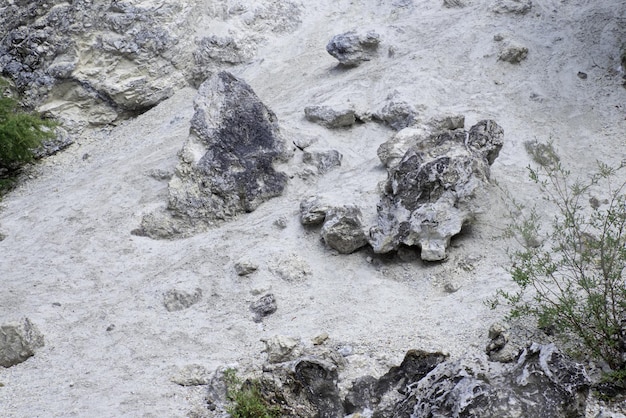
column 569, row 274
column 245, row 398
column 20, row 133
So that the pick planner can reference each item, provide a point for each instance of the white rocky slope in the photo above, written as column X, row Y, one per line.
column 70, row 264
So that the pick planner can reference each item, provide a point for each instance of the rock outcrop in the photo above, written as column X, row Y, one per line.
column 428, row 194
column 543, row 383
column 18, row 342
column 227, row 165
column 352, row 49
column 98, row 61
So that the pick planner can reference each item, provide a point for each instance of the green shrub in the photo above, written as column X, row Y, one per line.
column 20, row 133
column 245, row 398
column 569, row 273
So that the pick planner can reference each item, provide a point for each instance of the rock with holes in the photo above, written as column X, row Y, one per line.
column 352, row 48
column 429, row 193
column 18, row 341
column 226, row 168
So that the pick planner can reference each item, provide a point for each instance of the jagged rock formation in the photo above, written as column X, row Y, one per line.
column 427, row 198
column 543, row 383
column 352, row 48
column 305, row 382
column 18, row 342
column 105, row 59
column 227, row 165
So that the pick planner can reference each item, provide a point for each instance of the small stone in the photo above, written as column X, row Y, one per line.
column 281, row 222
column 498, row 37
column 263, row 307
column 244, row 268
column 110, row 327
column 329, row 117
column 345, row 350
column 18, row 342
column 582, row 76
column 513, row 54
column 313, row 211
column 56, row 304
column 519, row 7
column 352, row 49
column 176, row 300
column 343, row 229
column 453, row 3
column 320, row 339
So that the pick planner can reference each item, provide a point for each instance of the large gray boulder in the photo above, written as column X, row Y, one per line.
column 352, row 48
column 428, row 195
column 227, row 165
column 18, row 342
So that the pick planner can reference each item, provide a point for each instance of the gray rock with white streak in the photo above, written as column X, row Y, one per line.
column 428, row 195
column 313, row 210
column 352, row 48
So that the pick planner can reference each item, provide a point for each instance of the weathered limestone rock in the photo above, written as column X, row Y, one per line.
column 329, row 117
column 98, row 61
column 227, row 165
column 392, row 151
column 323, row 161
column 291, row 268
column 453, row 3
column 381, row 395
column 543, row 383
column 280, row 349
column 313, row 211
column 352, row 48
column 343, row 229
column 245, row 268
column 263, row 307
column 177, row 300
column 513, row 53
column 18, row 341
column 49, row 147
column 427, row 199
column 397, row 114
column 192, row 375
column 512, row 6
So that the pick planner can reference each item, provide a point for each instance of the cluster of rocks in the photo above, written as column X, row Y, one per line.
column 434, row 172
column 304, row 381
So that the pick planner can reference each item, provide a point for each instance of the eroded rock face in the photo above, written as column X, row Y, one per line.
column 428, row 194
column 227, row 165
column 101, row 60
column 352, row 48
column 18, row 342
column 543, row 383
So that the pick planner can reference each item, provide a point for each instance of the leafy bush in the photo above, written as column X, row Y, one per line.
column 20, row 133
column 570, row 273
column 245, row 398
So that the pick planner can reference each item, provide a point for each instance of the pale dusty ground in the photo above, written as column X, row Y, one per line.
column 68, row 230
